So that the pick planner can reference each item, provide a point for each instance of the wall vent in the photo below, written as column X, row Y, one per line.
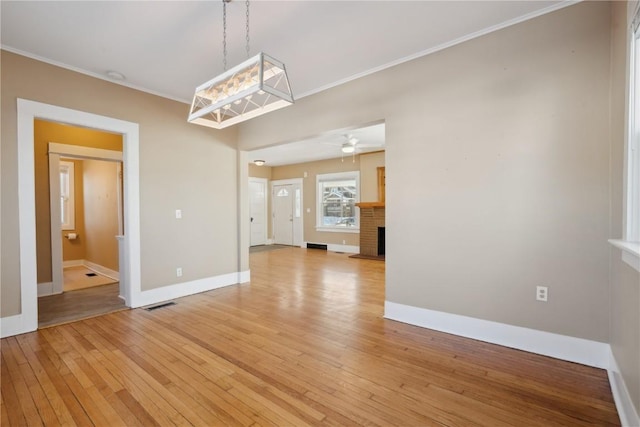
column 155, row 307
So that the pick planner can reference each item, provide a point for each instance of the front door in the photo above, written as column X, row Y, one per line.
column 283, row 214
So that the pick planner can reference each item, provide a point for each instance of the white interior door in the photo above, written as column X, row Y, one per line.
column 258, row 210
column 283, row 214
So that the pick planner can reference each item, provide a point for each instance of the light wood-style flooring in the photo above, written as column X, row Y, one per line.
column 80, row 304
column 303, row 344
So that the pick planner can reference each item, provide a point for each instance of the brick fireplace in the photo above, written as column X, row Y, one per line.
column 372, row 229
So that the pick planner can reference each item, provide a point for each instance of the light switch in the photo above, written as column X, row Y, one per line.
column 178, row 213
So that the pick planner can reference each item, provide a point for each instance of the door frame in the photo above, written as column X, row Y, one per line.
column 56, row 151
column 27, row 112
column 266, row 207
column 298, row 225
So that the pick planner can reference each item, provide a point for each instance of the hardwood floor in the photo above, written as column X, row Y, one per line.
column 303, row 344
column 80, row 304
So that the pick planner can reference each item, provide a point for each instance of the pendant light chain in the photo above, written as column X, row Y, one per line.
column 224, row 34
column 247, row 28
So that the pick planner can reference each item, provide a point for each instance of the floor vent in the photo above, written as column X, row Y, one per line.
column 155, row 307
column 316, row 246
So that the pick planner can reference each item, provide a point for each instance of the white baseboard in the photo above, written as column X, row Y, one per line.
column 111, row 274
column 626, row 409
column 12, row 325
column 244, row 276
column 337, row 248
column 343, row 248
column 578, row 350
column 45, row 289
column 179, row 290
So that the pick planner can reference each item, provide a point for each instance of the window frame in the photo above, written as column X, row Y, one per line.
column 632, row 154
column 630, row 242
column 330, row 177
column 70, row 223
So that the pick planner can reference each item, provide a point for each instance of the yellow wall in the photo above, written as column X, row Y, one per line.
column 259, row 171
column 101, row 212
column 45, row 132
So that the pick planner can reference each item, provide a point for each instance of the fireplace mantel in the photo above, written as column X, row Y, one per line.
column 370, row 205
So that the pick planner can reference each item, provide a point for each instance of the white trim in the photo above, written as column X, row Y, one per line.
column 12, row 325
column 46, row 289
column 336, row 248
column 27, row 112
column 325, row 229
column 338, row 176
column 104, row 271
column 92, row 74
column 343, row 248
column 624, row 404
column 82, row 152
column 578, row 350
column 244, row 276
column 166, row 293
column 630, row 252
column 70, row 223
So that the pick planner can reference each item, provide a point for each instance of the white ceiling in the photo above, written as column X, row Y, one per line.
column 170, row 47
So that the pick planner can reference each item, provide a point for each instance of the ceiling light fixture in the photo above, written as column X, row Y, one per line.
column 259, row 162
column 254, row 87
column 348, row 148
column 114, row 75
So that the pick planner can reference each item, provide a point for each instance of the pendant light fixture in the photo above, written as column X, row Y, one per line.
column 255, row 87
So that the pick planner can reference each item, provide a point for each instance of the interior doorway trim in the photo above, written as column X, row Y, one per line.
column 56, row 152
column 28, row 111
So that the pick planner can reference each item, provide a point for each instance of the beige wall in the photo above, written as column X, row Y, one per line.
column 625, row 281
column 44, row 133
column 181, row 166
column 259, row 171
column 309, row 196
column 101, row 212
column 369, row 164
column 497, row 161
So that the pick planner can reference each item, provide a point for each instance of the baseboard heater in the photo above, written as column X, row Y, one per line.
column 316, row 246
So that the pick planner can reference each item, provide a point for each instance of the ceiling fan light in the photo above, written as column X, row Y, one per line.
column 348, row 148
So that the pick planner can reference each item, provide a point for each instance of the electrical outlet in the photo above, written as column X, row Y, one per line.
column 344, row 242
column 178, row 214
column 542, row 293
column 179, row 272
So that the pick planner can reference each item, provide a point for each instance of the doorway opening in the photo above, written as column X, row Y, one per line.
column 84, row 208
column 28, row 111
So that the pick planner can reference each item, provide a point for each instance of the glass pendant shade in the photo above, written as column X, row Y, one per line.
column 255, row 87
